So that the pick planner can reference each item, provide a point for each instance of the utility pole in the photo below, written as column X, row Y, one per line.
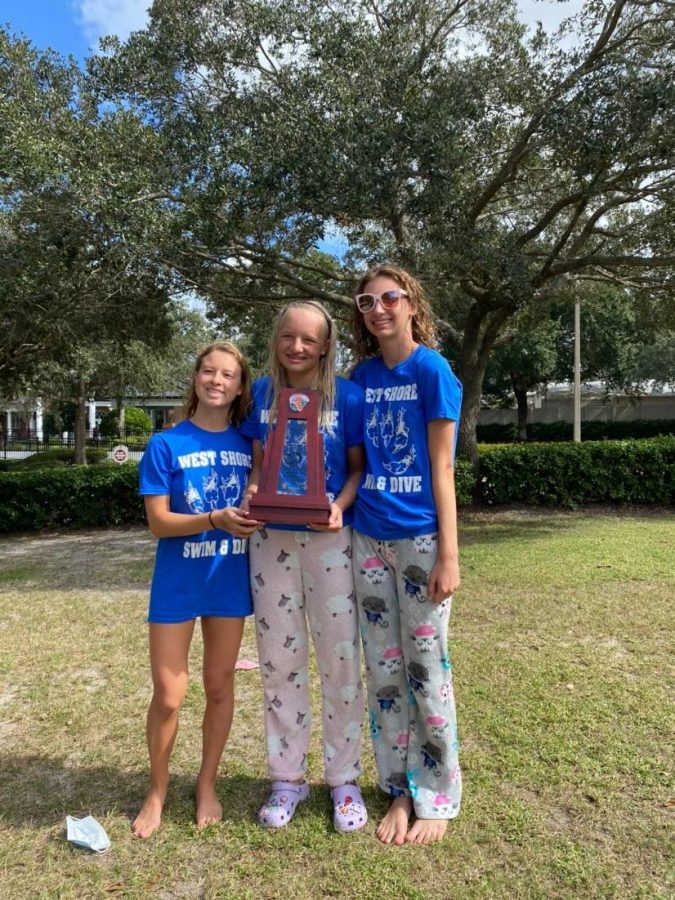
column 577, row 369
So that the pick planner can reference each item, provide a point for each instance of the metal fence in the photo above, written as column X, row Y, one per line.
column 22, row 443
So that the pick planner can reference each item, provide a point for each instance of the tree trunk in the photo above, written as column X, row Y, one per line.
column 523, row 411
column 480, row 333
column 119, row 406
column 472, row 382
column 81, row 422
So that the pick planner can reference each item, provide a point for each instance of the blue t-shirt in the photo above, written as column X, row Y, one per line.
column 395, row 498
column 347, row 428
column 201, row 574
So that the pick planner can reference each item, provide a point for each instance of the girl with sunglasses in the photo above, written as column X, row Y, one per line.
column 302, row 582
column 405, row 553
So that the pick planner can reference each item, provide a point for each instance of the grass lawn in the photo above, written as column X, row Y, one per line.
column 563, row 669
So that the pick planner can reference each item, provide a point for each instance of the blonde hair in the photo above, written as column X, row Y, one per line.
column 326, row 379
column 423, row 326
column 241, row 403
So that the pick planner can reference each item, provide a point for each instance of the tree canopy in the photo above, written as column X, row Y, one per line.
column 496, row 164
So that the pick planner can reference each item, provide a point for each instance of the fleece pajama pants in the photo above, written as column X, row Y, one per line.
column 409, row 679
column 301, row 579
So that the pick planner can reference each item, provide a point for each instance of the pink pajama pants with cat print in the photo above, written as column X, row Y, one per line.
column 408, row 673
column 302, row 581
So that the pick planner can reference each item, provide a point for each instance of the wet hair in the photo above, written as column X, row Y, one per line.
column 326, row 379
column 423, row 326
column 241, row 403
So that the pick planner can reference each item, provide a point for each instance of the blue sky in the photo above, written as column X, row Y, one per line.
column 73, row 26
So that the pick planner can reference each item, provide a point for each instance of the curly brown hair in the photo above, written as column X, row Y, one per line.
column 240, row 405
column 423, row 325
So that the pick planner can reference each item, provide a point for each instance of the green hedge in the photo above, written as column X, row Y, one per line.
column 465, row 482
column 590, row 431
column 55, row 458
column 71, row 497
column 568, row 475
column 58, row 457
column 541, row 474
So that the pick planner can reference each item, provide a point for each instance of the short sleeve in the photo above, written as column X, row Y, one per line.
column 249, row 427
column 354, row 413
column 154, row 471
column 441, row 390
column 252, row 426
column 357, row 376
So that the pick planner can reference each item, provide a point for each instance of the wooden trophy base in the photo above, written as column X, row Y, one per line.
column 288, row 509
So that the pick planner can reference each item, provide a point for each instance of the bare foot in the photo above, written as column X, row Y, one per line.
column 427, row 831
column 393, row 827
column 209, row 810
column 149, row 818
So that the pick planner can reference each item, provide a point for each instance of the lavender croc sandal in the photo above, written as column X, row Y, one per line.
column 280, row 806
column 349, row 810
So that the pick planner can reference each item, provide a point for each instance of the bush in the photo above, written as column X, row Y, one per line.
column 465, row 482
column 590, row 431
column 136, row 422
column 58, row 457
column 639, row 471
column 540, row 474
column 72, row 497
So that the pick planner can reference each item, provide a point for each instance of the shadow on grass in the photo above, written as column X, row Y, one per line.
column 108, row 559
column 494, row 525
column 40, row 790
column 498, row 526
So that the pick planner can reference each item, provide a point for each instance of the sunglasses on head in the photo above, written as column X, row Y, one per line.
column 366, row 302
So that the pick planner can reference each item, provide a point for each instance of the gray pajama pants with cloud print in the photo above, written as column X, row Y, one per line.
column 301, row 579
column 408, row 674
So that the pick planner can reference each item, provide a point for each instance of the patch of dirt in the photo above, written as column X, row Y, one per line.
column 559, row 820
column 94, row 679
column 116, row 558
column 7, row 729
column 8, row 697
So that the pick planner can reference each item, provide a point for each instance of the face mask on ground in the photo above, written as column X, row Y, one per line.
column 87, row 833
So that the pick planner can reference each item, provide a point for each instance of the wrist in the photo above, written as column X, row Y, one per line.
column 211, row 522
column 448, row 558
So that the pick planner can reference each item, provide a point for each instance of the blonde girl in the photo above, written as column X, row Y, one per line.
column 302, row 581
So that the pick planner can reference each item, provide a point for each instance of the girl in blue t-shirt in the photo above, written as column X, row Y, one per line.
column 405, row 553
column 192, row 478
column 302, row 579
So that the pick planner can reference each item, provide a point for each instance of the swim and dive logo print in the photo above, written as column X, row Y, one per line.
column 391, row 433
column 212, row 490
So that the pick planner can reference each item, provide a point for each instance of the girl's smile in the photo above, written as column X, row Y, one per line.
column 301, row 344
column 218, row 380
column 388, row 324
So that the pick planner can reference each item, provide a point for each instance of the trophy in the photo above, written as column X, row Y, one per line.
column 292, row 489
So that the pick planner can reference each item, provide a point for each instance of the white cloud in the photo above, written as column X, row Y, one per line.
column 548, row 13
column 97, row 18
